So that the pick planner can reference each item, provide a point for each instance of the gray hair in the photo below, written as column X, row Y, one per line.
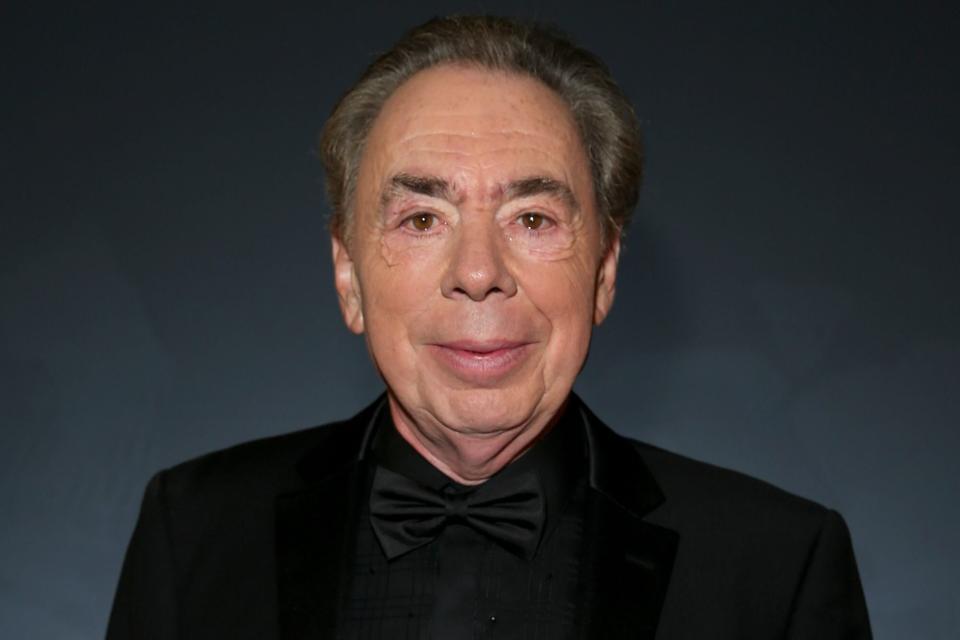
column 607, row 124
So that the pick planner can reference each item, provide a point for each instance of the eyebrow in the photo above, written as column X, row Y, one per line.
column 537, row 185
column 436, row 187
column 431, row 186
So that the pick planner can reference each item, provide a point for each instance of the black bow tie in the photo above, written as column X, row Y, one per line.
column 406, row 515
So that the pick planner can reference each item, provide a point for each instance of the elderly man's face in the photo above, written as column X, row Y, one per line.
column 475, row 264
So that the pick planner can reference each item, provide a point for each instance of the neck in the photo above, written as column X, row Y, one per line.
column 467, row 457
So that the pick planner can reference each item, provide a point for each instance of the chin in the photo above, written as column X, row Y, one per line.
column 488, row 410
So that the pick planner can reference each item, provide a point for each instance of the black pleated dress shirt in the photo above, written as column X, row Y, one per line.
column 462, row 585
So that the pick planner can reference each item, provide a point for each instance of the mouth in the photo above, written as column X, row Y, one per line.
column 481, row 361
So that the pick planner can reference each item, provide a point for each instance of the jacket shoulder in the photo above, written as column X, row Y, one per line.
column 265, row 461
column 265, row 467
column 746, row 545
column 729, row 507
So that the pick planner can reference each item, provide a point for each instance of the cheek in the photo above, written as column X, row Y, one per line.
column 397, row 288
column 564, row 294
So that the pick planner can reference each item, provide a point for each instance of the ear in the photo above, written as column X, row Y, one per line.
column 606, row 280
column 348, row 286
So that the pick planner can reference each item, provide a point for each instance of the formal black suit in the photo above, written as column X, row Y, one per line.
column 252, row 541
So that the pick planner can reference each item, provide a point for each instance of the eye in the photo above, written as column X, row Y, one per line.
column 532, row 220
column 421, row 221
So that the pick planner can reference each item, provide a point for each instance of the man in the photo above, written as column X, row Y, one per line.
column 480, row 174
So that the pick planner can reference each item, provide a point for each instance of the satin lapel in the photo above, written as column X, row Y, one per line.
column 627, row 561
column 314, row 531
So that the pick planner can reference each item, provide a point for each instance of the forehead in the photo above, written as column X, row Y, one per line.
column 473, row 124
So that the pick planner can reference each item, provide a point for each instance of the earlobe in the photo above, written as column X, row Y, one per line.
column 348, row 287
column 606, row 281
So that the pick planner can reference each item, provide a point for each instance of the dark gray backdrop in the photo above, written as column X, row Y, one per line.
column 787, row 302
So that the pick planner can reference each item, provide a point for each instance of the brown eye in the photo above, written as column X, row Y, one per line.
column 422, row 221
column 532, row 221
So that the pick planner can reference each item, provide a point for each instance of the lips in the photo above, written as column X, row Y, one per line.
column 481, row 361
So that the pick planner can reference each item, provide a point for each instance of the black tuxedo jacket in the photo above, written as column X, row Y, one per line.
column 250, row 542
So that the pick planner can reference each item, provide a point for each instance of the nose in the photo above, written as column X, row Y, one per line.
column 477, row 268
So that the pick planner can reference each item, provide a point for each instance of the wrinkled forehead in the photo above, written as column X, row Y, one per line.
column 472, row 91
column 475, row 124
